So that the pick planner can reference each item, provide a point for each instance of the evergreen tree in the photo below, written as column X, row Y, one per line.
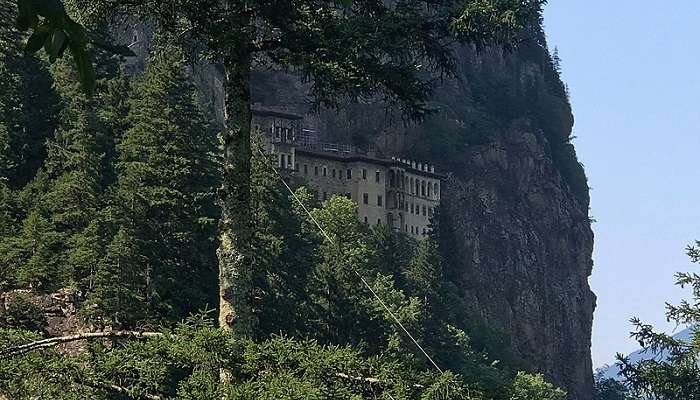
column 64, row 196
column 284, row 253
column 28, row 104
column 676, row 376
column 161, row 205
column 556, row 60
column 8, row 211
column 609, row 389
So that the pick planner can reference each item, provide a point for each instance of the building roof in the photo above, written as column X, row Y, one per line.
column 368, row 159
column 266, row 112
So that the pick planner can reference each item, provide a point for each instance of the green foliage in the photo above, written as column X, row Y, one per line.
column 676, row 376
column 534, row 387
column 610, row 389
column 19, row 312
column 332, row 305
column 161, row 208
column 54, row 31
column 122, row 208
column 186, row 363
column 28, row 106
column 66, row 197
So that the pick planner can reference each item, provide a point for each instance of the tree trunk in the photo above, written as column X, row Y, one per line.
column 236, row 230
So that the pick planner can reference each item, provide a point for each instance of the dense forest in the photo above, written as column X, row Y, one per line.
column 113, row 198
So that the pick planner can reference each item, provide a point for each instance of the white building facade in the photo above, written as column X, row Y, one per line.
column 398, row 193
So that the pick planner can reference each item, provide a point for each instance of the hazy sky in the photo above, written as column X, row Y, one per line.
column 633, row 70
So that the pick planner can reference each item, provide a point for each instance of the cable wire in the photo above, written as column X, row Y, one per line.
column 362, row 279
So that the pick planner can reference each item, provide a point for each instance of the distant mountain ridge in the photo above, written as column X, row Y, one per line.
column 612, row 371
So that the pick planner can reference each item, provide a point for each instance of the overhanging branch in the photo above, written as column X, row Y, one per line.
column 54, row 341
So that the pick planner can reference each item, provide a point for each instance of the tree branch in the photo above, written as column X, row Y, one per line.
column 50, row 342
column 120, row 390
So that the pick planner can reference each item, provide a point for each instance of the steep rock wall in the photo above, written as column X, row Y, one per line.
column 517, row 198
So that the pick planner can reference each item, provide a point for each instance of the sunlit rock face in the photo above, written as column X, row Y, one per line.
column 517, row 198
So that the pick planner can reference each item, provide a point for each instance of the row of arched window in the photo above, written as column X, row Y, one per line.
column 415, row 186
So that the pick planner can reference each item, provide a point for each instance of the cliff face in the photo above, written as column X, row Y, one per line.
column 517, row 198
column 518, row 204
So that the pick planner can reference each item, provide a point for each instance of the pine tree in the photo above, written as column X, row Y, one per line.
column 28, row 104
column 284, row 253
column 161, row 205
column 556, row 60
column 676, row 375
column 64, row 196
column 8, row 222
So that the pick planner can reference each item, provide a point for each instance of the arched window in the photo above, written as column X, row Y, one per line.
column 392, row 178
column 411, row 185
column 422, row 188
column 429, row 189
column 436, row 190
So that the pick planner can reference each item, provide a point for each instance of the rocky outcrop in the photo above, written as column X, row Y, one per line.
column 518, row 203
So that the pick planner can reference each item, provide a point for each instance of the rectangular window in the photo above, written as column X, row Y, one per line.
column 325, row 171
column 283, row 162
column 365, row 220
column 349, row 174
column 325, row 196
column 411, row 208
column 306, row 169
column 376, row 176
column 365, row 198
column 424, row 212
column 315, row 170
column 379, row 201
column 333, row 173
column 364, row 174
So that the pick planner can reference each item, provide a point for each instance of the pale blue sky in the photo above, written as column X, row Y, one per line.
column 633, row 70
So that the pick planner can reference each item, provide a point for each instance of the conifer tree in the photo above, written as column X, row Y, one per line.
column 7, row 212
column 159, row 264
column 64, row 196
column 284, row 253
column 674, row 373
column 28, row 104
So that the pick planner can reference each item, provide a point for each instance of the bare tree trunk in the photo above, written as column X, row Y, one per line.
column 236, row 230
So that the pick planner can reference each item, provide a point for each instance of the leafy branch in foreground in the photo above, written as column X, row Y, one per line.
column 55, row 31
column 185, row 363
column 673, row 372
